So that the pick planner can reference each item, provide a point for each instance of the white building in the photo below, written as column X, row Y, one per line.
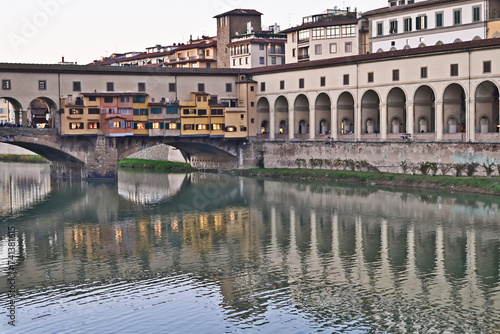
column 433, row 22
column 258, row 49
column 333, row 33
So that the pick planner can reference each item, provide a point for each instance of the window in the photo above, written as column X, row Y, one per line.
column 92, row 98
column 346, row 79
column 317, row 49
column 113, row 125
column 273, row 60
column 172, row 126
column 370, row 76
column 395, row 75
column 171, row 87
column 421, row 22
column 110, row 86
column 77, row 86
column 75, row 125
column 380, row 29
column 125, row 111
column 6, row 84
column 94, row 125
column 144, row 112
column 457, row 16
column 140, row 126
column 423, row 72
column 201, row 127
column 349, row 30
column 454, row 70
column 332, row 32
column 261, row 47
column 124, row 98
column 261, row 60
column 318, row 33
column 216, row 112
column 262, row 86
column 141, row 86
column 348, row 47
column 94, row 111
column 487, row 66
column 216, row 126
column 293, row 53
column 229, row 87
column 156, row 125
column 189, row 111
column 476, row 14
column 188, row 126
column 42, row 85
column 108, row 99
column 303, row 36
column 201, row 87
column 393, row 27
column 322, row 81
column 139, row 99
column 76, row 111
column 282, row 84
column 301, row 83
column 202, row 112
column 408, row 24
column 333, row 47
column 439, row 20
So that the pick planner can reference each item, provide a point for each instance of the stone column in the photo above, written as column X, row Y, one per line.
column 410, row 118
column 470, row 125
column 312, row 123
column 334, row 124
column 357, row 121
column 272, row 123
column 383, row 121
column 439, row 121
column 291, row 123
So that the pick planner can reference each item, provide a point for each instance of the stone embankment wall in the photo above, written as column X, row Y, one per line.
column 407, row 158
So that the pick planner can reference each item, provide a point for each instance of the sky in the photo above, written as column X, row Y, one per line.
column 44, row 31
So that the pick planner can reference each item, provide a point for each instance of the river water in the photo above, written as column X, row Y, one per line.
column 207, row 253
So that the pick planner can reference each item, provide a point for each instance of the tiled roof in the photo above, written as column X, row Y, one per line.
column 251, row 12
column 321, row 24
column 421, row 51
column 406, row 7
column 258, row 41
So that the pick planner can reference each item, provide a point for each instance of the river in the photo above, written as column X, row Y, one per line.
column 209, row 253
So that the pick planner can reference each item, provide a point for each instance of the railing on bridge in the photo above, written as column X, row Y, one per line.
column 6, row 131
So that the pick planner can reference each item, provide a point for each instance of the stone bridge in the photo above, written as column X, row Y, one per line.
column 95, row 157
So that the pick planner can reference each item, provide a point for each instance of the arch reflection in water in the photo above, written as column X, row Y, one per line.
column 148, row 188
column 22, row 185
column 276, row 256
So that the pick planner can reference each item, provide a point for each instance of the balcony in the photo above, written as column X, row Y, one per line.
column 303, row 57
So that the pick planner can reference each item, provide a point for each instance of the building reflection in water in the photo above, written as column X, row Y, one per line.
column 314, row 247
column 22, row 185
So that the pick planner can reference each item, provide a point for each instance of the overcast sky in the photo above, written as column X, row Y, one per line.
column 42, row 31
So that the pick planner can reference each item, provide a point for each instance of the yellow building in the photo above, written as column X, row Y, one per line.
column 195, row 119
column 81, row 116
column 141, row 114
column 4, row 111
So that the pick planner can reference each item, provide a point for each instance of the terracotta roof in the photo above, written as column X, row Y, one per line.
column 321, row 24
column 405, row 7
column 258, row 41
column 250, row 12
column 378, row 56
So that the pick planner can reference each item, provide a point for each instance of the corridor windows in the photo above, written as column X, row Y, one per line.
column 141, row 86
column 171, row 87
column 487, row 66
column 423, row 72
column 229, row 87
column 77, row 86
column 110, row 86
column 282, row 84
column 395, row 75
column 301, row 83
column 6, row 85
column 262, row 86
column 370, row 76
column 454, row 70
column 346, row 79
column 201, row 87
column 42, row 84
column 322, row 81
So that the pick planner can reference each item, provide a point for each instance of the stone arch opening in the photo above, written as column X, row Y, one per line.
column 301, row 110
column 263, row 115
column 454, row 108
column 396, row 110
column 424, row 111
column 486, row 107
column 11, row 111
column 41, row 113
column 370, row 111
column 264, row 127
column 323, row 107
column 345, row 113
column 281, row 115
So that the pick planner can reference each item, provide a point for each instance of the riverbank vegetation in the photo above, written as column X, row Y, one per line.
column 166, row 166
column 30, row 158
column 477, row 184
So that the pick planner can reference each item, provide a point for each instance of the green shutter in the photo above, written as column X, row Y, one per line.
column 136, row 112
column 162, row 125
